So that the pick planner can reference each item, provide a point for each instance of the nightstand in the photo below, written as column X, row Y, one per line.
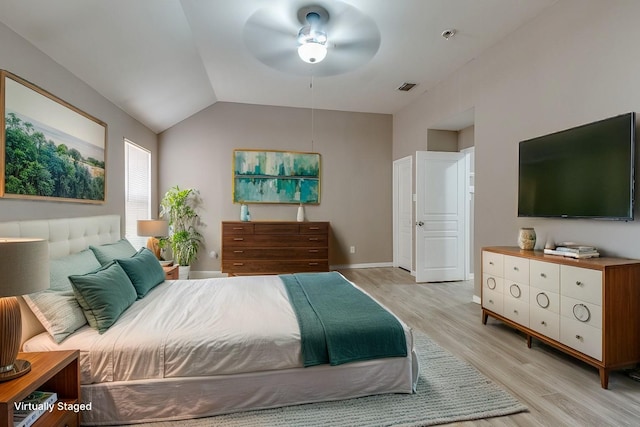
column 56, row 371
column 171, row 272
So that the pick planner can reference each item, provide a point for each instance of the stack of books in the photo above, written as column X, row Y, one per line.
column 573, row 250
column 28, row 410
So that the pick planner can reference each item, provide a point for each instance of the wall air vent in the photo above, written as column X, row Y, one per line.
column 406, row 87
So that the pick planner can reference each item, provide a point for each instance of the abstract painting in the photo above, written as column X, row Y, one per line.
column 261, row 176
column 49, row 149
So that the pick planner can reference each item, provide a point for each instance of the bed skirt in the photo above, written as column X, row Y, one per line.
column 184, row 398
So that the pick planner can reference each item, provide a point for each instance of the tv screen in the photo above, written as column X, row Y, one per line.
column 582, row 172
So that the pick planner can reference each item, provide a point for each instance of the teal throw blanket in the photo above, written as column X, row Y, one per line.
column 339, row 323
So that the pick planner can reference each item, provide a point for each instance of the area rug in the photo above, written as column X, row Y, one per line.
column 449, row 390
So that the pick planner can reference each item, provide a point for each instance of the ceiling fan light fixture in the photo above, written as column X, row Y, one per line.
column 312, row 52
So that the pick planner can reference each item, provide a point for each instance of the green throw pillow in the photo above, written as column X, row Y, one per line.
column 104, row 295
column 144, row 271
column 112, row 251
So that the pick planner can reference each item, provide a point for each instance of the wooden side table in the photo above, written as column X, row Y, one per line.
column 171, row 272
column 54, row 371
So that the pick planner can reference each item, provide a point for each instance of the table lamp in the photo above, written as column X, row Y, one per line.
column 24, row 269
column 153, row 228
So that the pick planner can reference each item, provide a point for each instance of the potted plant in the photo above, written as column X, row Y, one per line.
column 179, row 206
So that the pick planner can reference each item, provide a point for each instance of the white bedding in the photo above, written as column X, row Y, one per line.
column 227, row 337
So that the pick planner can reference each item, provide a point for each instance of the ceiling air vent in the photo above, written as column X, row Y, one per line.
column 406, row 87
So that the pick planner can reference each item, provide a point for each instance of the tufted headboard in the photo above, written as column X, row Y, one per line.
column 65, row 236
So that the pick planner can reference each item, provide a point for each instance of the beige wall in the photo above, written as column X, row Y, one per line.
column 356, row 172
column 23, row 59
column 442, row 140
column 574, row 64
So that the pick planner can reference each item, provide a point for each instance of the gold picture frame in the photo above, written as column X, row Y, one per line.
column 49, row 150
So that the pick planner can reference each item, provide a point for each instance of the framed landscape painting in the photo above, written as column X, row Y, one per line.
column 276, row 177
column 49, row 149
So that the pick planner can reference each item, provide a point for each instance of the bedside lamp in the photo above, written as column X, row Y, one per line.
column 24, row 268
column 153, row 228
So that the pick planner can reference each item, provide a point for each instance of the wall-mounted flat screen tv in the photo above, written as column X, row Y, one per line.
column 582, row 172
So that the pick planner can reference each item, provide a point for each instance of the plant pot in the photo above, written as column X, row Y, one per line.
column 183, row 272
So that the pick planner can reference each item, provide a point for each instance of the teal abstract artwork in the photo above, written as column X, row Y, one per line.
column 276, row 177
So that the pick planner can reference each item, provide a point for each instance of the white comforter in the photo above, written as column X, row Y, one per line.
column 189, row 328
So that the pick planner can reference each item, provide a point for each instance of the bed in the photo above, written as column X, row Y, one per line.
column 194, row 348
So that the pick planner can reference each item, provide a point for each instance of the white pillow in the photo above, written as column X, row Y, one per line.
column 57, row 308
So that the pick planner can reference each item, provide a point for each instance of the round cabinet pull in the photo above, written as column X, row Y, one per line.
column 515, row 311
column 578, row 337
column 515, row 291
column 543, row 323
column 491, row 301
column 543, row 300
column 581, row 312
column 516, row 269
column 491, row 283
column 544, row 276
column 579, row 283
column 490, row 262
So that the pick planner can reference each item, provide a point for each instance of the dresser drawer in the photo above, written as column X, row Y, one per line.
column 492, row 263
column 516, row 291
column 544, row 300
column 314, row 228
column 235, row 253
column 579, row 336
column 516, row 269
column 492, row 300
column 268, row 241
column 581, row 283
column 545, row 322
column 492, row 283
column 544, row 275
column 274, row 267
column 234, row 228
column 516, row 310
column 581, row 311
column 271, row 228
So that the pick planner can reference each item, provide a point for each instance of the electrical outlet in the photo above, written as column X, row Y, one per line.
column 352, row 249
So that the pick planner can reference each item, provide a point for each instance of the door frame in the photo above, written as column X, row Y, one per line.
column 406, row 162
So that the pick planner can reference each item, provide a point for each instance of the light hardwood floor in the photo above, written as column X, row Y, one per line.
column 557, row 389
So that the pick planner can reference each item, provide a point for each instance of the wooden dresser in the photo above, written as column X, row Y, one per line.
column 274, row 247
column 588, row 308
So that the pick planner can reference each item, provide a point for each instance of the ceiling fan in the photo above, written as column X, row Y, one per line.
column 336, row 38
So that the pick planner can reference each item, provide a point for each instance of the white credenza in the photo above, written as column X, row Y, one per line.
column 588, row 308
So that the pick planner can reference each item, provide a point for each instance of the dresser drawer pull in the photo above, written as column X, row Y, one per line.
column 581, row 312
column 515, row 291
column 491, row 301
column 313, row 263
column 238, row 252
column 238, row 239
column 515, row 311
column 544, row 276
column 578, row 337
column 579, row 283
column 543, row 323
column 238, row 264
column 491, row 263
column 313, row 251
column 491, row 283
column 238, row 228
column 313, row 238
column 543, row 300
column 314, row 228
column 516, row 269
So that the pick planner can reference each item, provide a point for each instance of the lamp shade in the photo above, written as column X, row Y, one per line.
column 153, row 227
column 24, row 265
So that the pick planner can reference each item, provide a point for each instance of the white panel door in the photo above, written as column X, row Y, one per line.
column 440, row 216
column 403, row 213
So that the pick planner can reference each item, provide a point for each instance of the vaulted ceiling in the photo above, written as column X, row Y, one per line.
column 163, row 60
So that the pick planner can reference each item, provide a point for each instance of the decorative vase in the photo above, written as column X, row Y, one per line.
column 527, row 238
column 244, row 213
column 300, row 216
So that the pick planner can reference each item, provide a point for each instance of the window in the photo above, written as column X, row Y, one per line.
column 137, row 190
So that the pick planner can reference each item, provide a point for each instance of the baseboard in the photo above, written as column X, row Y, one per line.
column 477, row 299
column 206, row 274
column 368, row 265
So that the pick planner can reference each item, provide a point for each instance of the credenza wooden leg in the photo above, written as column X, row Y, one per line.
column 604, row 378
